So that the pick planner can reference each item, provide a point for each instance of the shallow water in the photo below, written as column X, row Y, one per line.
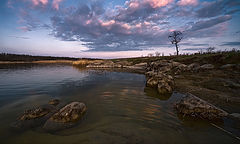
column 120, row 108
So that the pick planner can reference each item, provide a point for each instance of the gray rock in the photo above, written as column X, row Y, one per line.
column 235, row 116
column 207, row 66
column 193, row 67
column 228, row 66
column 66, row 117
column 139, row 66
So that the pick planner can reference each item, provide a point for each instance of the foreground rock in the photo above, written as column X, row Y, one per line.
column 34, row 117
column 66, row 117
column 193, row 106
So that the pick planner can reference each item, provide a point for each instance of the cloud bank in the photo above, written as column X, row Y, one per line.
column 136, row 25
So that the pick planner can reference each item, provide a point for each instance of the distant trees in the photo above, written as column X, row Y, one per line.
column 210, row 49
column 157, row 54
column 175, row 37
column 150, row 55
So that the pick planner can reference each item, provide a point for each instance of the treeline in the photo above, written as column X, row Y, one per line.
column 29, row 58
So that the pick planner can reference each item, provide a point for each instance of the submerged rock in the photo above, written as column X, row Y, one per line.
column 34, row 117
column 66, row 117
column 54, row 102
column 193, row 106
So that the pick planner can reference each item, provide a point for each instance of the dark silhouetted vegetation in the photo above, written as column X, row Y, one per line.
column 30, row 58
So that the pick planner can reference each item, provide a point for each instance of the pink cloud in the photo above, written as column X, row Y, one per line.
column 24, row 28
column 56, row 3
column 37, row 2
column 108, row 23
column 134, row 4
column 158, row 3
column 187, row 2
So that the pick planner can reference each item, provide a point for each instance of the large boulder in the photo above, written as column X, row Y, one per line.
column 34, row 117
column 163, row 82
column 152, row 82
column 164, row 87
column 193, row 106
column 66, row 117
column 158, row 65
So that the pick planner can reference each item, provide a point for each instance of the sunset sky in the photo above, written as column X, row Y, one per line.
column 116, row 28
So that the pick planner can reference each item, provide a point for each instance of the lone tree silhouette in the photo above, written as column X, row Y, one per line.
column 175, row 37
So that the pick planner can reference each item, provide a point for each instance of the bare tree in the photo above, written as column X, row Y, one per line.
column 150, row 55
column 210, row 49
column 175, row 37
column 157, row 54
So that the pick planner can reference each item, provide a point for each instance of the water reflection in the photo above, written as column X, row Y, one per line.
column 154, row 93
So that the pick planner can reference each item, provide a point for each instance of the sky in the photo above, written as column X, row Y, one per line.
column 116, row 28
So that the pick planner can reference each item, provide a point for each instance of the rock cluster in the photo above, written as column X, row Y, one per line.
column 159, row 74
column 193, row 106
column 50, row 117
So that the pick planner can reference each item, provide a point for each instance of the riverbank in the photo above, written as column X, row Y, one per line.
column 214, row 77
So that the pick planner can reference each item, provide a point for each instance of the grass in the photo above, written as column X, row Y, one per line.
column 215, row 58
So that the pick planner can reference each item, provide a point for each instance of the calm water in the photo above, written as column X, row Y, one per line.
column 120, row 109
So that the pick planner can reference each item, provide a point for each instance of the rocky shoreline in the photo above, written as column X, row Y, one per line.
column 165, row 76
column 161, row 75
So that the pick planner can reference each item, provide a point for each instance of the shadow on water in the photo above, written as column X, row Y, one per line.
column 151, row 92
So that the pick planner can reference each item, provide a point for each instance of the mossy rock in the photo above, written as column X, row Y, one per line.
column 66, row 117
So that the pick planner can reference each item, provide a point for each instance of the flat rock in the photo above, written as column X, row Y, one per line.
column 207, row 66
column 193, row 106
column 228, row 66
column 66, row 117
column 193, row 67
column 235, row 116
